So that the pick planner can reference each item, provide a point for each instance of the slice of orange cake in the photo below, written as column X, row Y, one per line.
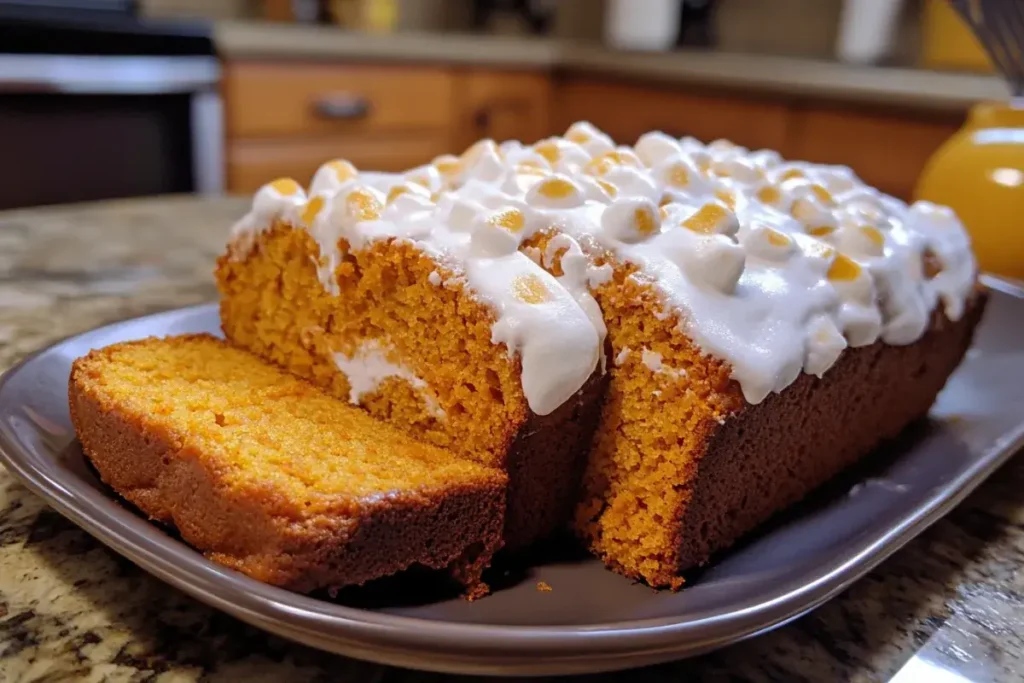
column 770, row 322
column 419, row 308
column 269, row 475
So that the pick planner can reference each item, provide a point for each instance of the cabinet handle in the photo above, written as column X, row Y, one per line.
column 482, row 119
column 342, row 107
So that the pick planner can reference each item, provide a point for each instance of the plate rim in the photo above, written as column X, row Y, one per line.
column 350, row 630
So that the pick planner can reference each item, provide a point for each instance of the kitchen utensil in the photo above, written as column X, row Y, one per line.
column 999, row 25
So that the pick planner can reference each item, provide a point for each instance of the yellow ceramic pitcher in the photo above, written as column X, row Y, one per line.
column 979, row 172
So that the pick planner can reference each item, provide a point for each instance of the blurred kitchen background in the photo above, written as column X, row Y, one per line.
column 117, row 98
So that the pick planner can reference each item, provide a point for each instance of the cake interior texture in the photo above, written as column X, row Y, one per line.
column 682, row 467
column 466, row 394
column 424, row 362
column 653, row 429
column 268, row 475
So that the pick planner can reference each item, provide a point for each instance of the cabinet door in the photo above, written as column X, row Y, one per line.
column 251, row 163
column 626, row 111
column 277, row 99
column 885, row 150
column 502, row 105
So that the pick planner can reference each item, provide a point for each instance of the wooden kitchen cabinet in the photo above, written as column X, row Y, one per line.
column 886, row 150
column 288, row 118
column 502, row 105
column 285, row 119
column 265, row 100
column 626, row 111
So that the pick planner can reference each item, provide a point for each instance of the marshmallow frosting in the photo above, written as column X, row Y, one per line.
column 556, row 333
column 771, row 265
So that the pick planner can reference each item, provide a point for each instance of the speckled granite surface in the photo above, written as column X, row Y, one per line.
column 71, row 610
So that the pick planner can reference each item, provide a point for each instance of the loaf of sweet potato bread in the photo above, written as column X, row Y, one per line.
column 766, row 322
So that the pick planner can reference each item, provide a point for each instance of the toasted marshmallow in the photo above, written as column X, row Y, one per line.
column 631, row 182
column 715, row 262
column 555, row 192
column 460, row 213
column 739, row 170
column 768, row 243
column 631, row 219
column 680, row 176
column 497, row 233
column 589, row 138
column 824, row 344
column 712, row 218
column 654, row 148
column 332, row 176
column 361, row 203
column 861, row 240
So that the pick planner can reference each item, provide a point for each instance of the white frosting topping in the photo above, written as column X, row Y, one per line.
column 654, row 362
column 772, row 266
column 369, row 367
column 553, row 325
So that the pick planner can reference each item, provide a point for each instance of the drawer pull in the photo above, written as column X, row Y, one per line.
column 342, row 107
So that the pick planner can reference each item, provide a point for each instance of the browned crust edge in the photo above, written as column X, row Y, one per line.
column 545, row 465
column 769, row 456
column 458, row 529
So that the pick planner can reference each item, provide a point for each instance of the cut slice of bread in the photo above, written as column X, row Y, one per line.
column 267, row 475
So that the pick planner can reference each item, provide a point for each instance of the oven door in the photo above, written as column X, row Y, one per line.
column 85, row 128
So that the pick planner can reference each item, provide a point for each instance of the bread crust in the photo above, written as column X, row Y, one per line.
column 545, row 465
column 770, row 455
column 354, row 541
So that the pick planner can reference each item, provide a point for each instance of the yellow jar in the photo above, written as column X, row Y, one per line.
column 979, row 172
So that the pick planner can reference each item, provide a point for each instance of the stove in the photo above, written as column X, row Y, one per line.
column 96, row 103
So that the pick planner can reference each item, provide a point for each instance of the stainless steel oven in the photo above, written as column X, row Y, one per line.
column 97, row 107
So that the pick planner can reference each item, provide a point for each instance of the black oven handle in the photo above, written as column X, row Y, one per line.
column 102, row 75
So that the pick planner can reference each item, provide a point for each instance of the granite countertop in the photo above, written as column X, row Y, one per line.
column 72, row 610
column 768, row 75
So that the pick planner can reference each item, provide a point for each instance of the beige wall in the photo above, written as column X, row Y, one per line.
column 580, row 20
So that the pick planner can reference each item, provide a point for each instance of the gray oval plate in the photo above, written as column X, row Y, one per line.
column 591, row 620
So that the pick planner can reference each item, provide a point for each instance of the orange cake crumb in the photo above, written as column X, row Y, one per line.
column 274, row 304
column 268, row 475
column 453, row 387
